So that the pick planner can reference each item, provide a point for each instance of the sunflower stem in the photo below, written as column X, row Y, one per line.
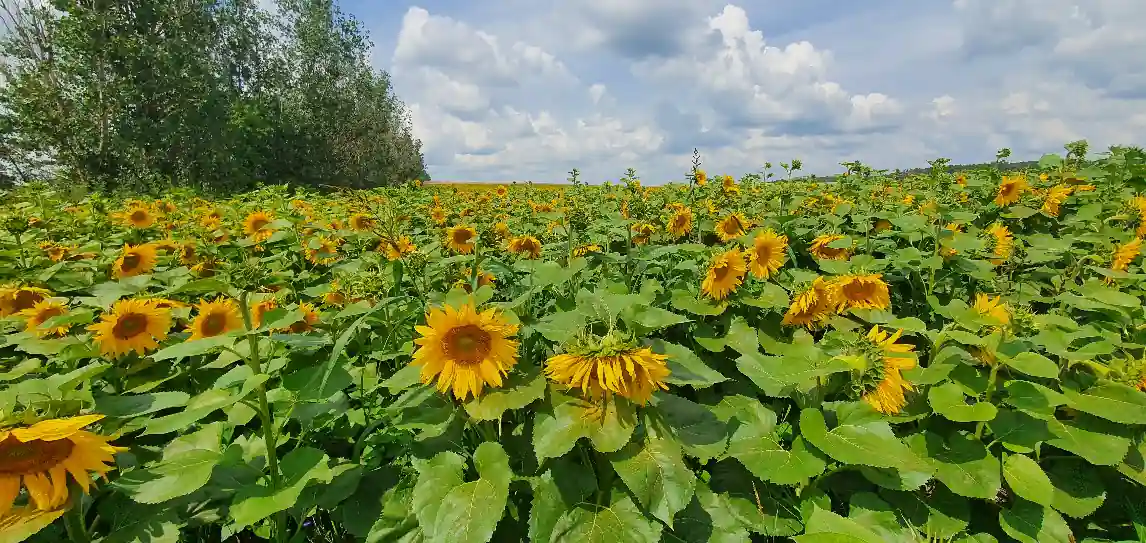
column 987, row 397
column 266, row 417
column 20, row 248
column 74, row 518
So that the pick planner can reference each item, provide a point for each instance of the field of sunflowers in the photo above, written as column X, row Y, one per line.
column 937, row 358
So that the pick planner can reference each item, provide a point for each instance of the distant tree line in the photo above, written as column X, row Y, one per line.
column 219, row 95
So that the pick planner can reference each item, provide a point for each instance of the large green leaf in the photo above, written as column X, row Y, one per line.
column 936, row 512
column 948, row 400
column 564, row 485
column 1030, row 522
column 436, row 478
column 1078, row 488
column 827, row 527
column 1032, row 398
column 1018, row 431
column 299, row 467
column 871, row 443
column 694, row 426
column 686, row 368
column 961, row 462
column 618, row 522
column 1033, row 364
column 558, row 426
column 135, row 405
column 1112, row 401
column 1100, row 442
column 761, row 507
column 776, row 375
column 1027, row 479
column 656, row 475
column 708, row 519
column 518, row 391
column 469, row 512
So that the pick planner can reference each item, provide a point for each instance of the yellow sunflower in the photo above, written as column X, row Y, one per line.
column 625, row 370
column 41, row 457
column 464, row 350
column 361, row 221
column 701, row 178
column 131, row 325
column 438, row 215
column 396, row 249
column 325, row 254
column 644, row 231
column 257, row 226
column 215, row 318
column 731, row 227
column 260, row 309
column 461, row 239
column 821, row 250
column 308, row 320
column 138, row 217
column 42, row 312
column 724, row 275
column 19, row 298
column 813, row 306
column 55, row 252
column 681, row 222
column 484, row 279
column 525, row 245
column 887, row 396
column 864, row 291
column 1055, row 196
column 769, row 253
column 1125, row 253
column 586, row 249
column 994, row 309
column 501, row 190
column 1011, row 189
column 1004, row 243
column 166, row 245
column 501, row 230
column 135, row 260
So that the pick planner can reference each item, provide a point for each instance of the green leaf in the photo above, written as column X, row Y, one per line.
column 938, row 512
column 774, row 375
column 436, row 478
column 1078, row 489
column 469, row 512
column 1030, row 522
column 1100, row 442
column 1115, row 402
column 695, row 427
column 654, row 318
column 179, row 475
column 827, row 527
column 1027, row 479
column 135, row 405
column 948, row 400
column 1032, row 398
column 1033, row 364
column 1018, row 431
column 869, row 444
column 708, row 519
column 742, row 337
column 195, row 347
column 685, row 301
column 557, row 427
column 305, row 383
column 619, row 522
column 656, row 475
column 685, row 367
column 197, row 409
column 763, row 508
column 519, row 390
column 962, row 463
column 565, row 484
column 560, row 327
column 1134, row 465
column 299, row 467
column 406, row 377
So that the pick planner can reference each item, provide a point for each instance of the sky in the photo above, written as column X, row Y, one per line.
column 502, row 90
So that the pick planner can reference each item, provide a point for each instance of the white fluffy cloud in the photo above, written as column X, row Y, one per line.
column 640, row 83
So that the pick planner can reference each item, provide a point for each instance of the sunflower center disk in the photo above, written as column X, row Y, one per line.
column 130, row 262
column 859, row 290
column 467, row 344
column 139, row 216
column 25, row 299
column 17, row 457
column 130, row 325
column 214, row 324
column 721, row 272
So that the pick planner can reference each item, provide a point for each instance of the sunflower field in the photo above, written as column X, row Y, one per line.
column 937, row 358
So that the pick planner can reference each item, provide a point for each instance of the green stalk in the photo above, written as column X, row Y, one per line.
column 74, row 518
column 266, row 417
column 987, row 398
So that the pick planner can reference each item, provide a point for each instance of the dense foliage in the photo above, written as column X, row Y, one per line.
column 220, row 95
column 942, row 358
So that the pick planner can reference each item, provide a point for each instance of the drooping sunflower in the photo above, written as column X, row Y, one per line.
column 361, row 221
column 1054, row 198
column 461, row 239
column 882, row 225
column 40, row 457
column 138, row 217
column 322, row 251
column 1124, row 254
column 887, row 396
column 55, row 251
column 131, row 325
column 701, row 178
column 308, row 320
column 725, row 274
column 864, row 291
column 42, row 312
column 680, row 224
column 484, row 279
column 731, row 227
column 769, row 253
column 1004, row 243
column 527, row 246
column 614, row 364
column 822, row 251
column 135, row 260
column 14, row 299
column 396, row 249
column 992, row 308
column 463, row 350
column 187, row 254
column 215, row 318
column 257, row 226
column 813, row 306
column 643, row 232
column 438, row 215
column 1011, row 188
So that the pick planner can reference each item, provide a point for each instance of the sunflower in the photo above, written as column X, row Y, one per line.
column 821, row 250
column 586, row 249
column 131, row 325
column 728, row 183
column 326, row 252
column 396, row 249
column 887, row 395
column 461, row 239
column 1004, row 244
column 166, row 303
column 55, row 252
column 166, row 245
column 205, row 268
column 994, row 309
column 135, row 260
column 701, row 178
column 308, row 320
column 1010, row 189
column 644, row 231
column 484, row 279
column 501, row 230
column 361, row 221
column 608, row 366
column 769, row 252
column 438, row 215
column 501, row 190
column 215, row 318
column 16, row 299
column 813, row 306
column 724, row 274
column 882, row 225
column 525, row 245
column 335, row 296
column 944, row 250
column 257, row 225
column 464, row 350
column 42, row 455
column 138, row 217
column 866, row 291
column 681, row 222
column 1125, row 254
column 1055, row 196
column 731, row 227
column 260, row 309
column 42, row 312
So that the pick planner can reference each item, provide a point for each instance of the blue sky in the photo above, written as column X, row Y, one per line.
column 528, row 89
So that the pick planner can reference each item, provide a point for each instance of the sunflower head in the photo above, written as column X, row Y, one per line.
column 614, row 364
column 216, row 318
column 768, row 254
column 731, row 227
column 396, row 249
column 131, row 325
column 463, row 350
column 814, row 305
column 992, row 308
column 322, row 250
column 361, row 221
column 257, row 226
column 725, row 274
column 821, row 248
column 527, row 246
column 461, row 239
column 680, row 223
column 701, row 178
column 260, row 309
column 308, row 320
column 1011, row 188
column 14, row 299
column 138, row 217
column 1125, row 253
column 881, row 383
column 863, row 291
column 1003, row 243
column 135, row 260
column 501, row 190
column 42, row 312
column 586, row 249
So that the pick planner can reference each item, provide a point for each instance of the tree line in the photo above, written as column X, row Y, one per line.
column 218, row 95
